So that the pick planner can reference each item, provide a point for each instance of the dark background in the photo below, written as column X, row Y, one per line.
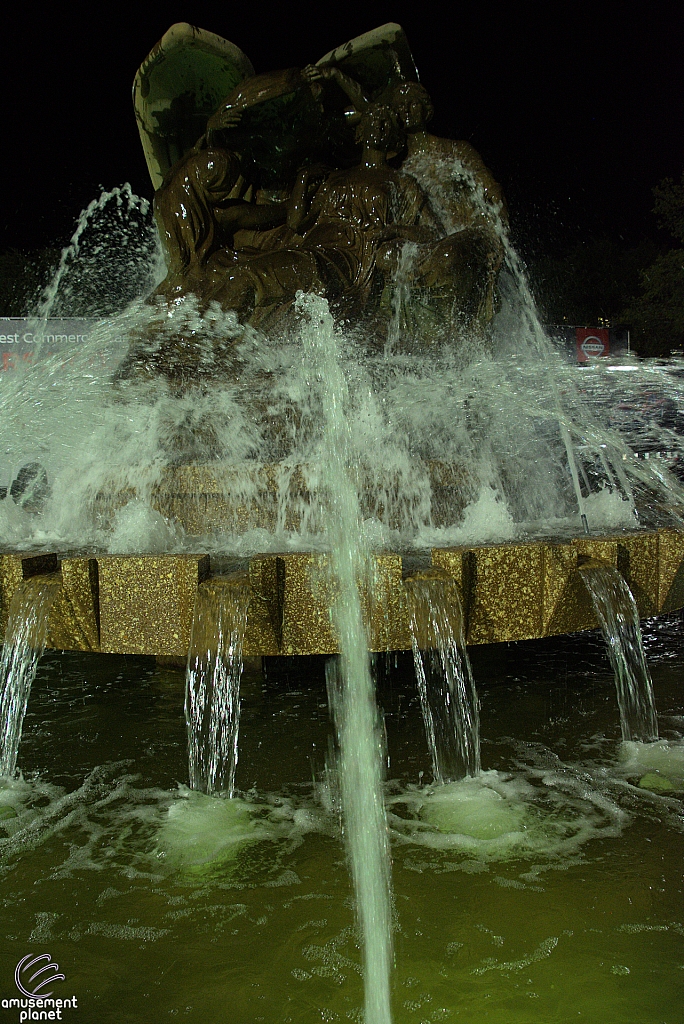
column 577, row 108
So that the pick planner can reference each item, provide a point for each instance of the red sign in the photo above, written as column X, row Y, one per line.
column 591, row 342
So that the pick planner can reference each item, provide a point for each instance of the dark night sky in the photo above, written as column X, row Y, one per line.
column 576, row 107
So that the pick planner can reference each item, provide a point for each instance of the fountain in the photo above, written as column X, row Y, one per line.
column 25, row 639
column 617, row 613
column 338, row 430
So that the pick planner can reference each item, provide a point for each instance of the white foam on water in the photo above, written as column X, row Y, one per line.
column 487, row 519
column 201, row 830
column 665, row 758
column 111, row 823
column 499, row 817
column 608, row 509
column 478, row 812
column 22, row 803
column 16, row 524
column 45, row 812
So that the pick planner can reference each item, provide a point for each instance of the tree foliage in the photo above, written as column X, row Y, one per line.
column 592, row 283
column 669, row 206
column 657, row 311
column 600, row 281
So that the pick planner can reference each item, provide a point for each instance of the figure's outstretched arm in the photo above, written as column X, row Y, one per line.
column 238, row 215
column 351, row 88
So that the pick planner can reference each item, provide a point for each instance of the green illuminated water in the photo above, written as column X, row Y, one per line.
column 560, row 900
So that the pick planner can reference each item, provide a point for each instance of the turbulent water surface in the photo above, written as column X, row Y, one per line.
column 547, row 889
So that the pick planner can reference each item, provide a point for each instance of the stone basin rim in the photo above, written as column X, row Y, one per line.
column 143, row 603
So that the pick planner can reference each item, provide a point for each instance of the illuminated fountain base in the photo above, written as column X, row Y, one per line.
column 143, row 604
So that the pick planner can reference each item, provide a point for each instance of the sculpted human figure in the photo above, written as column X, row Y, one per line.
column 357, row 215
column 198, row 214
column 271, row 200
column 201, row 205
column 341, row 231
column 438, row 161
column 464, row 197
column 459, row 200
column 344, row 235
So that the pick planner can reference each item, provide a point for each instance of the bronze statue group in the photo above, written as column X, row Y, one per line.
column 393, row 204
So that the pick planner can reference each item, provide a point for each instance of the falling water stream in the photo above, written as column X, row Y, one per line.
column 351, row 685
column 25, row 639
column 126, row 202
column 448, row 699
column 618, row 616
column 435, row 177
column 212, row 695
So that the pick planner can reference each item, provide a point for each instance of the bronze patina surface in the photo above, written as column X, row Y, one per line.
column 310, row 179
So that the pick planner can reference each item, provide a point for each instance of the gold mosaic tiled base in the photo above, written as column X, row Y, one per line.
column 143, row 604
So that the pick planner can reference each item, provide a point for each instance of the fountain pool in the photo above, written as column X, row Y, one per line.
column 555, row 894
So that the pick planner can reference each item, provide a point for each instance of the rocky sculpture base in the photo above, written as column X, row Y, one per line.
column 218, row 499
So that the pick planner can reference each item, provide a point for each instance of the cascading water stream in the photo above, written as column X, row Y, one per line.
column 617, row 614
column 401, row 293
column 25, row 639
column 350, row 684
column 448, row 698
column 434, row 176
column 529, row 310
column 212, row 694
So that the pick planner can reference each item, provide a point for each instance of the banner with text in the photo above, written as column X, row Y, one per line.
column 24, row 340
